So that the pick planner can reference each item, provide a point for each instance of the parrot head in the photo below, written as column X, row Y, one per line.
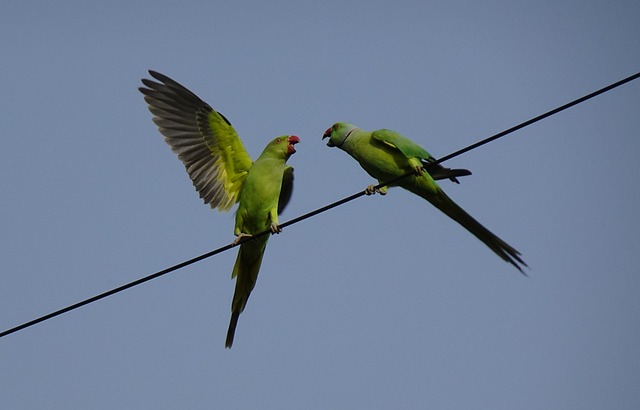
column 338, row 133
column 283, row 145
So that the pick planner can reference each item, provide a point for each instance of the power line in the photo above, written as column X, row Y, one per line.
column 541, row 117
column 315, row 212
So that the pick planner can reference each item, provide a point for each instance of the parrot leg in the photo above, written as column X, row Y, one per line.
column 241, row 237
column 417, row 165
column 275, row 228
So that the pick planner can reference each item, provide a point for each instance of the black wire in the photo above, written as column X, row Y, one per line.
column 522, row 125
column 312, row 213
column 116, row 290
column 540, row 117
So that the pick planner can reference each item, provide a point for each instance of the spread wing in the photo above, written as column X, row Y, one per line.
column 204, row 140
column 286, row 190
column 410, row 149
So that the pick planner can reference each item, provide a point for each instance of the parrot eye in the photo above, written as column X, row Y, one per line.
column 277, row 140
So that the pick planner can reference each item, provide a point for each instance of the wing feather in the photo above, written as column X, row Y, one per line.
column 286, row 189
column 204, row 140
column 410, row 149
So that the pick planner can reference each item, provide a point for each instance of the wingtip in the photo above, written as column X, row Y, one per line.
column 166, row 80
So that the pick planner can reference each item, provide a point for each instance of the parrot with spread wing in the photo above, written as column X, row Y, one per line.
column 387, row 155
column 223, row 173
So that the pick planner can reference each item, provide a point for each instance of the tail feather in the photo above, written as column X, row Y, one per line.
column 245, row 271
column 441, row 201
column 232, row 329
column 438, row 172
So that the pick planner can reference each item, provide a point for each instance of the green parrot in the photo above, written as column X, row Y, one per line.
column 223, row 173
column 386, row 155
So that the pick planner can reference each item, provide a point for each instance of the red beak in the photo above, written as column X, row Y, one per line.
column 293, row 140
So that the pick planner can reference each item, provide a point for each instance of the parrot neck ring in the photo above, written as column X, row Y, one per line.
column 345, row 138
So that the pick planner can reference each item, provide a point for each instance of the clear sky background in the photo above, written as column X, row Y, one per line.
column 381, row 303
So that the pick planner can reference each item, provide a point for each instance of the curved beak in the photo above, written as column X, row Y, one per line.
column 327, row 134
column 292, row 140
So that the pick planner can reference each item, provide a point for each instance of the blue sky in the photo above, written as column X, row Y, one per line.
column 381, row 303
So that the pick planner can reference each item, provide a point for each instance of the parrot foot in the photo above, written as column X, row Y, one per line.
column 275, row 228
column 419, row 169
column 241, row 237
column 371, row 189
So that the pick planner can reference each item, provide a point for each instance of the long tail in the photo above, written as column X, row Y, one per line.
column 232, row 329
column 246, row 271
column 441, row 201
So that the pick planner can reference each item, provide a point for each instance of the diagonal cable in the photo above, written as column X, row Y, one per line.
column 315, row 212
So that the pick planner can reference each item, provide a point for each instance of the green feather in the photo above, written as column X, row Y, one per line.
column 387, row 155
column 407, row 147
column 223, row 173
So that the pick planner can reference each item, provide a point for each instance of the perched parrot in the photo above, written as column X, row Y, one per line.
column 223, row 174
column 386, row 155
